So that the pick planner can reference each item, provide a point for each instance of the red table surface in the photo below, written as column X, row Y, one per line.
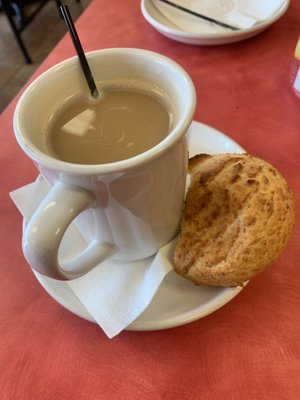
column 248, row 349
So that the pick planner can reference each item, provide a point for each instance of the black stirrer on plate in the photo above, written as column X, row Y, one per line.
column 78, row 47
column 195, row 14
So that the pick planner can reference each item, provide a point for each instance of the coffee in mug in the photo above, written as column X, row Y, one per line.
column 121, row 123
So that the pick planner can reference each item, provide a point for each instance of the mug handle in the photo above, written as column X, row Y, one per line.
column 46, row 228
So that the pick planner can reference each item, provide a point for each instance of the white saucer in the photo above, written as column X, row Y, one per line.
column 165, row 26
column 177, row 301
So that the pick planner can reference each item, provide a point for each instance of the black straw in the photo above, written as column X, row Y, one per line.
column 76, row 42
column 233, row 28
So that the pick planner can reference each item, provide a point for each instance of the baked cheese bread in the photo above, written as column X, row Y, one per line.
column 239, row 214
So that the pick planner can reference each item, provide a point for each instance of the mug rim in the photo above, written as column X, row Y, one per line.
column 159, row 149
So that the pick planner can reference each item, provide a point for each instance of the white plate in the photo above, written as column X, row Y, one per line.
column 177, row 301
column 162, row 24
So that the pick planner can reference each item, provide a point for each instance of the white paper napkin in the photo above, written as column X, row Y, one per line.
column 115, row 293
column 242, row 14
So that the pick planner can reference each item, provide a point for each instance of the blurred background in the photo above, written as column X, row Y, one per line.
column 39, row 36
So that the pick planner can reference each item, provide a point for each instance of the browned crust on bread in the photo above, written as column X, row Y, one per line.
column 239, row 214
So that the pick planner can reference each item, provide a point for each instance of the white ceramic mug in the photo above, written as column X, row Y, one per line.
column 132, row 207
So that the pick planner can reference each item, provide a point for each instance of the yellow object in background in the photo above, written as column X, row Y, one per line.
column 297, row 50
